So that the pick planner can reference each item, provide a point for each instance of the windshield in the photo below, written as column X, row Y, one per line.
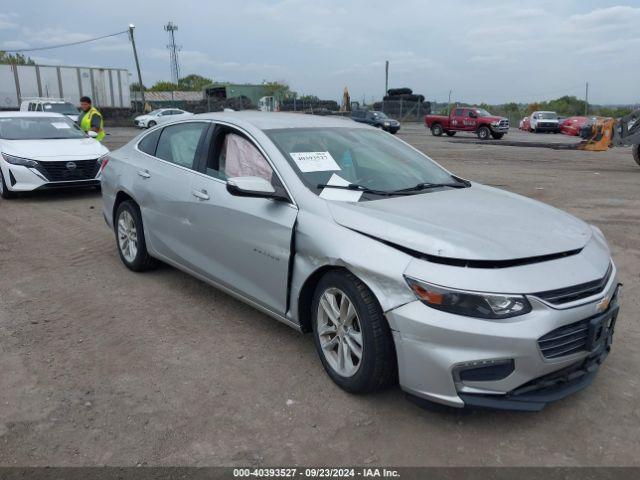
column 547, row 115
column 37, row 128
column 64, row 108
column 483, row 113
column 369, row 158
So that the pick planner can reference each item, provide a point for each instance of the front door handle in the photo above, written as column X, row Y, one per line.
column 144, row 173
column 200, row 194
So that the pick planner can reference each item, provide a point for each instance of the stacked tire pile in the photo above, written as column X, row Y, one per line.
column 402, row 102
column 235, row 103
column 305, row 105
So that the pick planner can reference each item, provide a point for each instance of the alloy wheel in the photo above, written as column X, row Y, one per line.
column 127, row 236
column 339, row 332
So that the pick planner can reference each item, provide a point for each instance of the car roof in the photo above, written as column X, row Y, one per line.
column 271, row 120
column 30, row 114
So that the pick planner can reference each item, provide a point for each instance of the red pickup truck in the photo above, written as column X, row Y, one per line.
column 463, row 119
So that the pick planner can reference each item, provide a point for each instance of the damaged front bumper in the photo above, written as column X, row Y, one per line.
column 459, row 361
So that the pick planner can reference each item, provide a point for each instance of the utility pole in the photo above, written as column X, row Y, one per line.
column 586, row 100
column 135, row 56
column 386, row 77
column 171, row 28
column 449, row 105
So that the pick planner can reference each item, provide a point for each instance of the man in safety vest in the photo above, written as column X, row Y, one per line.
column 90, row 118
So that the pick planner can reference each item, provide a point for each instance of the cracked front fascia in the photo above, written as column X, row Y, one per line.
column 379, row 266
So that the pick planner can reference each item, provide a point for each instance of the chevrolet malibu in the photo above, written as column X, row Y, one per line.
column 404, row 272
column 46, row 150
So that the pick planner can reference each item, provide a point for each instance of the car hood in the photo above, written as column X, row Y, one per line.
column 476, row 223
column 79, row 148
column 143, row 117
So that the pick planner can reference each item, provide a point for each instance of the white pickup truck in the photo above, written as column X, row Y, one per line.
column 545, row 122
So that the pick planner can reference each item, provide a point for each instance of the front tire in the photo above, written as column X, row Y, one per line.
column 151, row 124
column 4, row 190
column 351, row 334
column 437, row 130
column 130, row 240
column 484, row 133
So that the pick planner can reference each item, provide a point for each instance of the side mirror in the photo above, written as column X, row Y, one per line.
column 252, row 187
column 473, row 115
column 92, row 134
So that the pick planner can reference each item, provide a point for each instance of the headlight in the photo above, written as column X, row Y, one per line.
column 479, row 305
column 386, row 124
column 25, row 162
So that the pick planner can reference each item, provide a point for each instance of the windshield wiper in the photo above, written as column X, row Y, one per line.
column 358, row 188
column 404, row 191
column 427, row 186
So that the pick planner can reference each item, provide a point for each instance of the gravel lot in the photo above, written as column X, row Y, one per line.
column 101, row 366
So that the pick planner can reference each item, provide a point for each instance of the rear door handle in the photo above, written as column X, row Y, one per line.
column 200, row 194
column 144, row 173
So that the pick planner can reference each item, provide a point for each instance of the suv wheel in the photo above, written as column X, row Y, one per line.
column 130, row 238
column 437, row 130
column 351, row 334
column 484, row 133
column 151, row 124
column 4, row 190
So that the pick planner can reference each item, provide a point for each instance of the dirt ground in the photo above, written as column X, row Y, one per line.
column 102, row 366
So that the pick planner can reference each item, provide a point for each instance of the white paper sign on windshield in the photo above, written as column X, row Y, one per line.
column 341, row 194
column 314, row 161
column 61, row 125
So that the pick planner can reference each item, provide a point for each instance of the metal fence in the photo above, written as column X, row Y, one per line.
column 404, row 111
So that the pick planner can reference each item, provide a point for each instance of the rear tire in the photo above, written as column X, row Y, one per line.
column 4, row 190
column 450, row 133
column 437, row 130
column 483, row 133
column 636, row 153
column 130, row 240
column 347, row 321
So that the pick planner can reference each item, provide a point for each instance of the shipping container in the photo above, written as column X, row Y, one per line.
column 107, row 87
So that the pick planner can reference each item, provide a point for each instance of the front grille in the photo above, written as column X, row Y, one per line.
column 565, row 340
column 576, row 292
column 504, row 123
column 64, row 171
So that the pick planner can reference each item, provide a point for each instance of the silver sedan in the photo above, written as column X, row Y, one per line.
column 404, row 272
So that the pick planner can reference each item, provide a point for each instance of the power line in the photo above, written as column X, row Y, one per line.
column 70, row 44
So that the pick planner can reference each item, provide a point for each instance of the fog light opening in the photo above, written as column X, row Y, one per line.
column 483, row 370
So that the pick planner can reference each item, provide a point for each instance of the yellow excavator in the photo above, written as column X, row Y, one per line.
column 602, row 133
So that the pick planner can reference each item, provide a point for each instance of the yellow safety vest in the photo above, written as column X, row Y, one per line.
column 85, row 124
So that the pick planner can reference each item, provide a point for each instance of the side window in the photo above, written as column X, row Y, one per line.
column 38, row 107
column 471, row 114
column 458, row 112
column 238, row 157
column 178, row 143
column 149, row 142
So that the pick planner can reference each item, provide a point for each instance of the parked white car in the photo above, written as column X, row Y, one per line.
column 545, row 122
column 160, row 115
column 46, row 150
column 50, row 105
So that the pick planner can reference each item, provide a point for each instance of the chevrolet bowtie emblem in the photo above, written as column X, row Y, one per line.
column 603, row 304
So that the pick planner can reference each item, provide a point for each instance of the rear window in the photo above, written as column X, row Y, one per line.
column 149, row 142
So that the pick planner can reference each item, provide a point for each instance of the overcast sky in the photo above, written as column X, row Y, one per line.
column 495, row 51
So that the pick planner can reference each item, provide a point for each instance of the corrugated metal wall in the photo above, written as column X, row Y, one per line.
column 107, row 87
